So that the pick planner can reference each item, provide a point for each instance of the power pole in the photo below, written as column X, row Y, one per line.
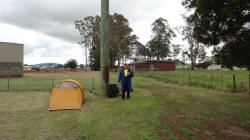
column 104, row 65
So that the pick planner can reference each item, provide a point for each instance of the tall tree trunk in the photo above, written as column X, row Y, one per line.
column 192, row 65
column 111, row 63
column 158, row 54
column 119, row 62
column 158, row 51
column 193, row 62
column 86, row 57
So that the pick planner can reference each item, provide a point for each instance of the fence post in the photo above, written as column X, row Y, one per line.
column 221, row 79
column 189, row 78
column 183, row 78
column 234, row 83
column 52, row 83
column 203, row 82
column 211, row 81
column 166, row 76
column 8, row 83
column 93, row 80
column 178, row 78
column 196, row 78
column 249, row 83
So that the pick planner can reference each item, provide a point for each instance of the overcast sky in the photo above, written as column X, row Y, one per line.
column 46, row 27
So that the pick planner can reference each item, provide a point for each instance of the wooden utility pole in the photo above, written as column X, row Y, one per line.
column 104, row 65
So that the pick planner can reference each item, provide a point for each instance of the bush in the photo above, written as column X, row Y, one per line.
column 203, row 65
column 72, row 63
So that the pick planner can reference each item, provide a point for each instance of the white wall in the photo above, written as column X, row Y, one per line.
column 11, row 52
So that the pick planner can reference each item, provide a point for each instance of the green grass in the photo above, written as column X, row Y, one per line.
column 156, row 110
column 24, row 115
column 221, row 80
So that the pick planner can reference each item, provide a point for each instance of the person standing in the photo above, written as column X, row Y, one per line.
column 125, row 78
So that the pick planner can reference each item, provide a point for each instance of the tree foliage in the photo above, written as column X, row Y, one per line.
column 142, row 52
column 160, row 43
column 121, row 39
column 90, row 32
column 223, row 21
column 176, row 49
column 205, row 63
column 195, row 50
column 72, row 63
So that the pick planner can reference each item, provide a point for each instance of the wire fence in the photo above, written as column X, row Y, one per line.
column 218, row 80
column 43, row 84
column 232, row 82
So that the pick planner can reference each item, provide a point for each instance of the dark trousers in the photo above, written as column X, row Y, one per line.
column 126, row 89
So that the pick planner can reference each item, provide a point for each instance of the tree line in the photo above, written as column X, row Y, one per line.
column 124, row 45
column 221, row 24
column 122, row 41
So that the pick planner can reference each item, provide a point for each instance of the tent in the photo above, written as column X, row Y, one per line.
column 67, row 94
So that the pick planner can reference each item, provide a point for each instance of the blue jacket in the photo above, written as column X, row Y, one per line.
column 122, row 78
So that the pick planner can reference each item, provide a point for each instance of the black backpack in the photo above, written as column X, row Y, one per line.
column 113, row 90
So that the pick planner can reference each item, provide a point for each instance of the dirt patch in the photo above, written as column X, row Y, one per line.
column 184, row 128
column 57, row 72
column 157, row 90
column 176, row 123
column 11, row 75
column 227, row 129
column 192, row 99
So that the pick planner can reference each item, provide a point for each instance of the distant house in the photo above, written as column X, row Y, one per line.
column 11, row 59
column 27, row 68
column 214, row 67
column 237, row 68
column 218, row 67
column 182, row 67
column 153, row 65
column 44, row 68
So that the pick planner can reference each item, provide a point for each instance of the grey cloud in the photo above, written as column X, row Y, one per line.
column 49, row 48
column 55, row 17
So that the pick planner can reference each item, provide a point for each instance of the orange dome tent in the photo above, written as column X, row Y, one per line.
column 67, row 94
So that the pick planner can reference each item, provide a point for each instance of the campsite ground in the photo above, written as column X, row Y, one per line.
column 157, row 110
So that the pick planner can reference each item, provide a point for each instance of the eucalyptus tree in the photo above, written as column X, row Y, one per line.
column 195, row 50
column 161, row 40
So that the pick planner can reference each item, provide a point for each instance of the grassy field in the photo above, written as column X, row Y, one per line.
column 157, row 110
column 220, row 80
